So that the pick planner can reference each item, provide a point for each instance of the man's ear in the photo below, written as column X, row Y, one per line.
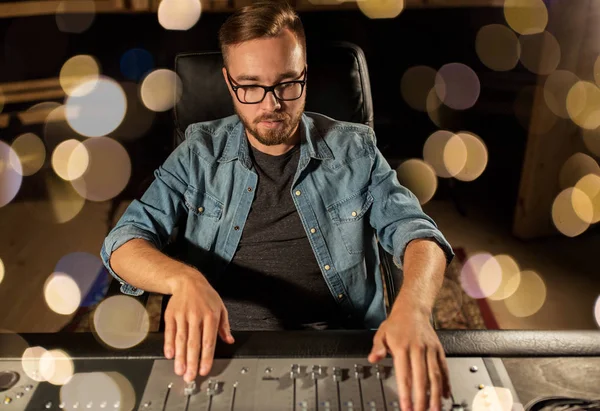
column 224, row 71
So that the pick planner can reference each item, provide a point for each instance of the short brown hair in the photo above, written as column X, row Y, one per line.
column 261, row 19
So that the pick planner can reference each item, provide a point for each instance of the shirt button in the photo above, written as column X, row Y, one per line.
column 313, row 230
column 354, row 214
column 237, row 227
column 340, row 296
column 249, row 189
column 327, row 267
column 200, row 209
column 298, row 192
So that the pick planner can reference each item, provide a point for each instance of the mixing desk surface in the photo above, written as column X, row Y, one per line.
column 322, row 370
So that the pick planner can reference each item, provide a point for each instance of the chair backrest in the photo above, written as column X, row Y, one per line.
column 337, row 86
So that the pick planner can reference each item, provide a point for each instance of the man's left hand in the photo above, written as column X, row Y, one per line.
column 419, row 359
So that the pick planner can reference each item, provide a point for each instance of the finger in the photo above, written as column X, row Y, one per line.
column 447, row 388
column 435, row 380
column 180, row 345
column 169, row 337
column 419, row 376
column 379, row 349
column 225, row 328
column 193, row 349
column 403, row 377
column 209, row 339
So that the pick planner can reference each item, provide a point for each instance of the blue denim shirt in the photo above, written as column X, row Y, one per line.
column 346, row 194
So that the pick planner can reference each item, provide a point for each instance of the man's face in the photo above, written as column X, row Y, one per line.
column 267, row 62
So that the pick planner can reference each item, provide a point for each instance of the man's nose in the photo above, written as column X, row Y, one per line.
column 270, row 101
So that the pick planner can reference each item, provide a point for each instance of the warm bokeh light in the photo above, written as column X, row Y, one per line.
column 583, row 105
column 381, row 9
column 85, row 269
column 108, row 171
column 481, row 275
column 540, row 53
column 457, row 86
column 445, row 152
column 31, row 153
column 1, row 271
column 161, row 90
column 438, row 113
column 121, row 321
column 70, row 160
column 535, row 117
column 98, row 112
column 492, row 398
column 567, row 208
column 419, row 177
column 104, row 390
column 75, row 16
column 597, row 311
column 11, row 174
column 556, row 88
column 526, row 16
column 136, row 63
column 510, row 279
column 30, row 361
column 179, row 14
column 138, row 118
column 416, row 84
column 498, row 47
column 591, row 139
column 56, row 367
column 477, row 157
column 79, row 75
column 575, row 168
column 529, row 297
column 62, row 294
column 590, row 186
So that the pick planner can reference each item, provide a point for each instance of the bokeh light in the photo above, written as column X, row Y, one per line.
column 590, row 186
column 477, row 157
column 381, row 9
column 79, row 75
column 416, row 84
column 30, row 362
column 62, row 294
column 57, row 130
column 526, row 16
column 179, row 14
column 498, row 47
column 457, row 86
column 556, row 88
column 1, row 271
column 138, row 118
column 540, row 53
column 70, row 160
column 105, row 390
column 492, row 398
column 121, row 321
column 86, row 270
column 419, row 177
column 108, row 171
column 575, row 168
column 445, row 152
column 136, row 63
column 529, row 297
column 481, row 275
column 511, row 276
column 535, row 116
column 30, row 152
column 98, row 112
column 56, row 367
column 75, row 16
column 161, row 90
column 567, row 208
column 11, row 174
column 597, row 311
column 591, row 139
column 583, row 105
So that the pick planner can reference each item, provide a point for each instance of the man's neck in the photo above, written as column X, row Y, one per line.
column 278, row 149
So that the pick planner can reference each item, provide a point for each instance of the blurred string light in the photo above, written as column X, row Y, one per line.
column 590, row 186
column 79, row 74
column 70, row 159
column 481, row 275
column 591, row 139
column 556, row 88
column 583, row 105
column 56, row 367
column 457, row 86
column 493, row 398
column 597, row 311
column 138, row 118
column 510, row 276
column 57, row 130
column 161, row 90
column 179, row 14
column 30, row 153
column 477, row 157
column 11, row 174
column 62, row 294
column 75, row 16
column 526, row 16
column 381, row 9
column 1, row 271
column 540, row 53
column 416, row 84
column 498, row 47
column 105, row 390
column 536, row 118
column 30, row 362
column 419, row 177
column 85, row 269
column 97, row 112
column 136, row 63
column 576, row 167
column 121, row 321
column 572, row 210
column 108, row 171
column 529, row 297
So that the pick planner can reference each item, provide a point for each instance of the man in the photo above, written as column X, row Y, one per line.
column 277, row 210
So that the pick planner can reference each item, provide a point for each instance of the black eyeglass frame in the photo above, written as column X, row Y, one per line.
column 268, row 88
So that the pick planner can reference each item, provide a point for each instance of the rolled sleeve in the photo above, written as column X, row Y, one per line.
column 419, row 229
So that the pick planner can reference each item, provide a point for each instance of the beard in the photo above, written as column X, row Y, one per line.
column 275, row 136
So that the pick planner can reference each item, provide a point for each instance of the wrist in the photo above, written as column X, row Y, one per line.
column 185, row 278
column 407, row 305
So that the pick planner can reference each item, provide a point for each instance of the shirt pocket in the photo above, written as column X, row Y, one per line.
column 204, row 215
column 350, row 217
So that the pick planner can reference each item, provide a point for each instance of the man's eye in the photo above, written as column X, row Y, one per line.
column 250, row 88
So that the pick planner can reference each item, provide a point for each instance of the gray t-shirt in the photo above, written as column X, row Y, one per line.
column 274, row 281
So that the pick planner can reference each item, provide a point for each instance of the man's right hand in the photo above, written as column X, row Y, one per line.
column 194, row 314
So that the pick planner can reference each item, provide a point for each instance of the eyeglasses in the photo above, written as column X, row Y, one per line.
column 254, row 94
